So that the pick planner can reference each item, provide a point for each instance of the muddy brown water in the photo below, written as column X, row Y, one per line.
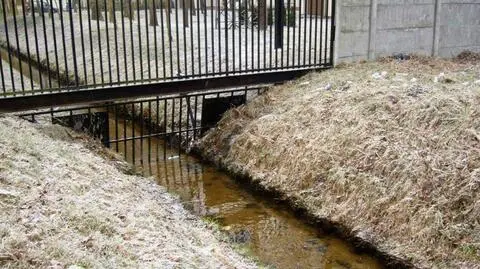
column 267, row 231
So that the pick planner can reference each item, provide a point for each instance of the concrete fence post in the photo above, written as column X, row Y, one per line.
column 338, row 4
column 372, row 29
column 436, row 27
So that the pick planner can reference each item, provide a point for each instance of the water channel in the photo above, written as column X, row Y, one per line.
column 268, row 231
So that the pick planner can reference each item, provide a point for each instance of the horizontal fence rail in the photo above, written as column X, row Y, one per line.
column 66, row 45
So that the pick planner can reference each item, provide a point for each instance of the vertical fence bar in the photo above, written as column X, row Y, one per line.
column 125, row 130
column 27, row 43
column 132, row 44
column 225, row 10
column 124, row 42
column 139, row 37
column 199, row 44
column 184, row 31
column 149, row 126
column 149, row 70
column 164, row 128
column 177, row 43
column 158, row 124
column 233, row 37
column 252, row 30
column 163, row 40
column 294, row 31
column 74, row 56
column 205, row 32
column 326, row 33
column 142, row 122
column 14, row 11
column 45, row 38
column 191, row 4
column 219, row 38
column 180, row 125
column 270, row 16
column 2, row 78
column 169, row 26
column 92, row 59
column 84, row 60
column 116, row 125
column 9, row 51
column 288, row 24
column 107, row 35
column 133, row 133
column 65, row 58
column 332, row 32
column 305, row 34
column 155, row 23
column 316, row 31
column 115, row 33
column 212, row 35
column 310, row 35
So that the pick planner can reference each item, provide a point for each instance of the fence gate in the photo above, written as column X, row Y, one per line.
column 57, row 52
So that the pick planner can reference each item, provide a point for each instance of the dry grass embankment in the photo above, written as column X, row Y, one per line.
column 64, row 205
column 390, row 150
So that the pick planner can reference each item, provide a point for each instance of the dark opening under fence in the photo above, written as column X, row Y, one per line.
column 79, row 44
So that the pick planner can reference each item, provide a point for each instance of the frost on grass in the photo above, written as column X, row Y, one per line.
column 389, row 150
column 63, row 204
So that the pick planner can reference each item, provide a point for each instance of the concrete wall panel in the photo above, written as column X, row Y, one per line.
column 418, row 40
column 355, row 19
column 406, row 26
column 405, row 16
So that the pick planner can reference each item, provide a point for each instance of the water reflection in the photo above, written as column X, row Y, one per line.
column 271, row 232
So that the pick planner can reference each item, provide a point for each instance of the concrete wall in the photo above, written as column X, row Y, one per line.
column 367, row 29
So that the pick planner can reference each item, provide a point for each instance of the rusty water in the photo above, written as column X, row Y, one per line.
column 265, row 230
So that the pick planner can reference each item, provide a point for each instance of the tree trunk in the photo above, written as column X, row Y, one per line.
column 75, row 5
column 128, row 9
column 95, row 10
column 111, row 10
column 169, row 24
column 184, row 5
column 203, row 6
column 262, row 12
column 153, row 13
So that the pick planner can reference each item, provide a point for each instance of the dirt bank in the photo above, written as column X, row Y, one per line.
column 389, row 150
column 66, row 202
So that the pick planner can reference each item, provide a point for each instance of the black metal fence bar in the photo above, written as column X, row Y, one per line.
column 80, row 44
column 143, row 129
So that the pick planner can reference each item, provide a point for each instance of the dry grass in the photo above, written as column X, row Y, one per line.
column 389, row 149
column 63, row 205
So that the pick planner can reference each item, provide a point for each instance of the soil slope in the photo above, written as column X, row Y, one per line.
column 389, row 150
column 65, row 206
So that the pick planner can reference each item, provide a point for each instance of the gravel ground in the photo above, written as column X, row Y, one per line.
column 68, row 203
column 97, row 57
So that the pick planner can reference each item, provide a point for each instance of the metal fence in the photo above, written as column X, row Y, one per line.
column 144, row 131
column 57, row 45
